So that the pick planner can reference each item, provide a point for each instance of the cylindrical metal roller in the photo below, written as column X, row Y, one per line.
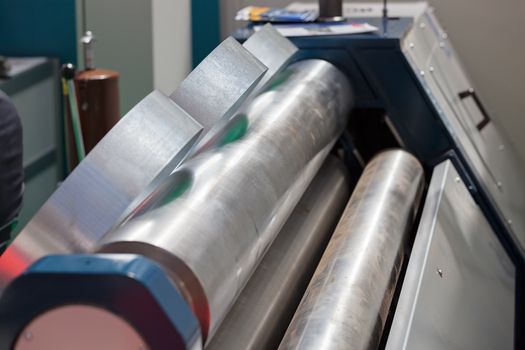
column 266, row 305
column 98, row 101
column 331, row 10
column 347, row 301
column 212, row 220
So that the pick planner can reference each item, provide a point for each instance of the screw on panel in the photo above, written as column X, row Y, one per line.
column 439, row 272
column 422, row 72
column 501, row 148
column 422, row 25
column 499, row 184
column 431, row 69
column 509, row 221
column 444, row 36
column 441, row 44
column 411, row 45
column 458, row 180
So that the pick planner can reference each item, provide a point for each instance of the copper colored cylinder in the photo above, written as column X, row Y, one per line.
column 98, row 107
column 98, row 103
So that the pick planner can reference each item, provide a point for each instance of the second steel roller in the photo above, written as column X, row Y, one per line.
column 347, row 302
column 211, row 222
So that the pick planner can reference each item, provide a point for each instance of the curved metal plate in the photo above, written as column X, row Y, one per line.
column 219, row 84
column 155, row 135
column 272, row 49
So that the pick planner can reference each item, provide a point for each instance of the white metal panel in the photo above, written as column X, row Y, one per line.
column 458, row 291
column 494, row 161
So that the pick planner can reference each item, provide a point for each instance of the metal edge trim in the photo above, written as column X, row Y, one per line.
column 404, row 313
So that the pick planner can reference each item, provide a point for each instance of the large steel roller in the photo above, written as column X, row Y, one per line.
column 211, row 221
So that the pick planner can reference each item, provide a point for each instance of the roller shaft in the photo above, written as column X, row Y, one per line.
column 347, row 300
column 212, row 220
column 265, row 307
column 330, row 8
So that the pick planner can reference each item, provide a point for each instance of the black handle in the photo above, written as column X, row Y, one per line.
column 471, row 93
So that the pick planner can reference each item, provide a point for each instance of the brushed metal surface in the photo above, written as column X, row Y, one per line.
column 212, row 220
column 154, row 135
column 266, row 305
column 219, row 84
column 490, row 155
column 220, row 67
column 458, row 291
column 272, row 49
column 347, row 301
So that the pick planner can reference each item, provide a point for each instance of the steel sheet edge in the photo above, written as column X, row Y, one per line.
column 347, row 302
column 212, row 220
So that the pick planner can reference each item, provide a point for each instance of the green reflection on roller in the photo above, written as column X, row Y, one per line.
column 236, row 131
column 169, row 190
column 279, row 79
column 175, row 192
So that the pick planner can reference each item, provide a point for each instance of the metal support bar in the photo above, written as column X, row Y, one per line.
column 331, row 10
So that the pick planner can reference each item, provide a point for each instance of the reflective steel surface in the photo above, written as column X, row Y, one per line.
column 266, row 305
column 219, row 84
column 346, row 304
column 211, row 222
column 271, row 49
column 459, row 287
column 156, row 134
